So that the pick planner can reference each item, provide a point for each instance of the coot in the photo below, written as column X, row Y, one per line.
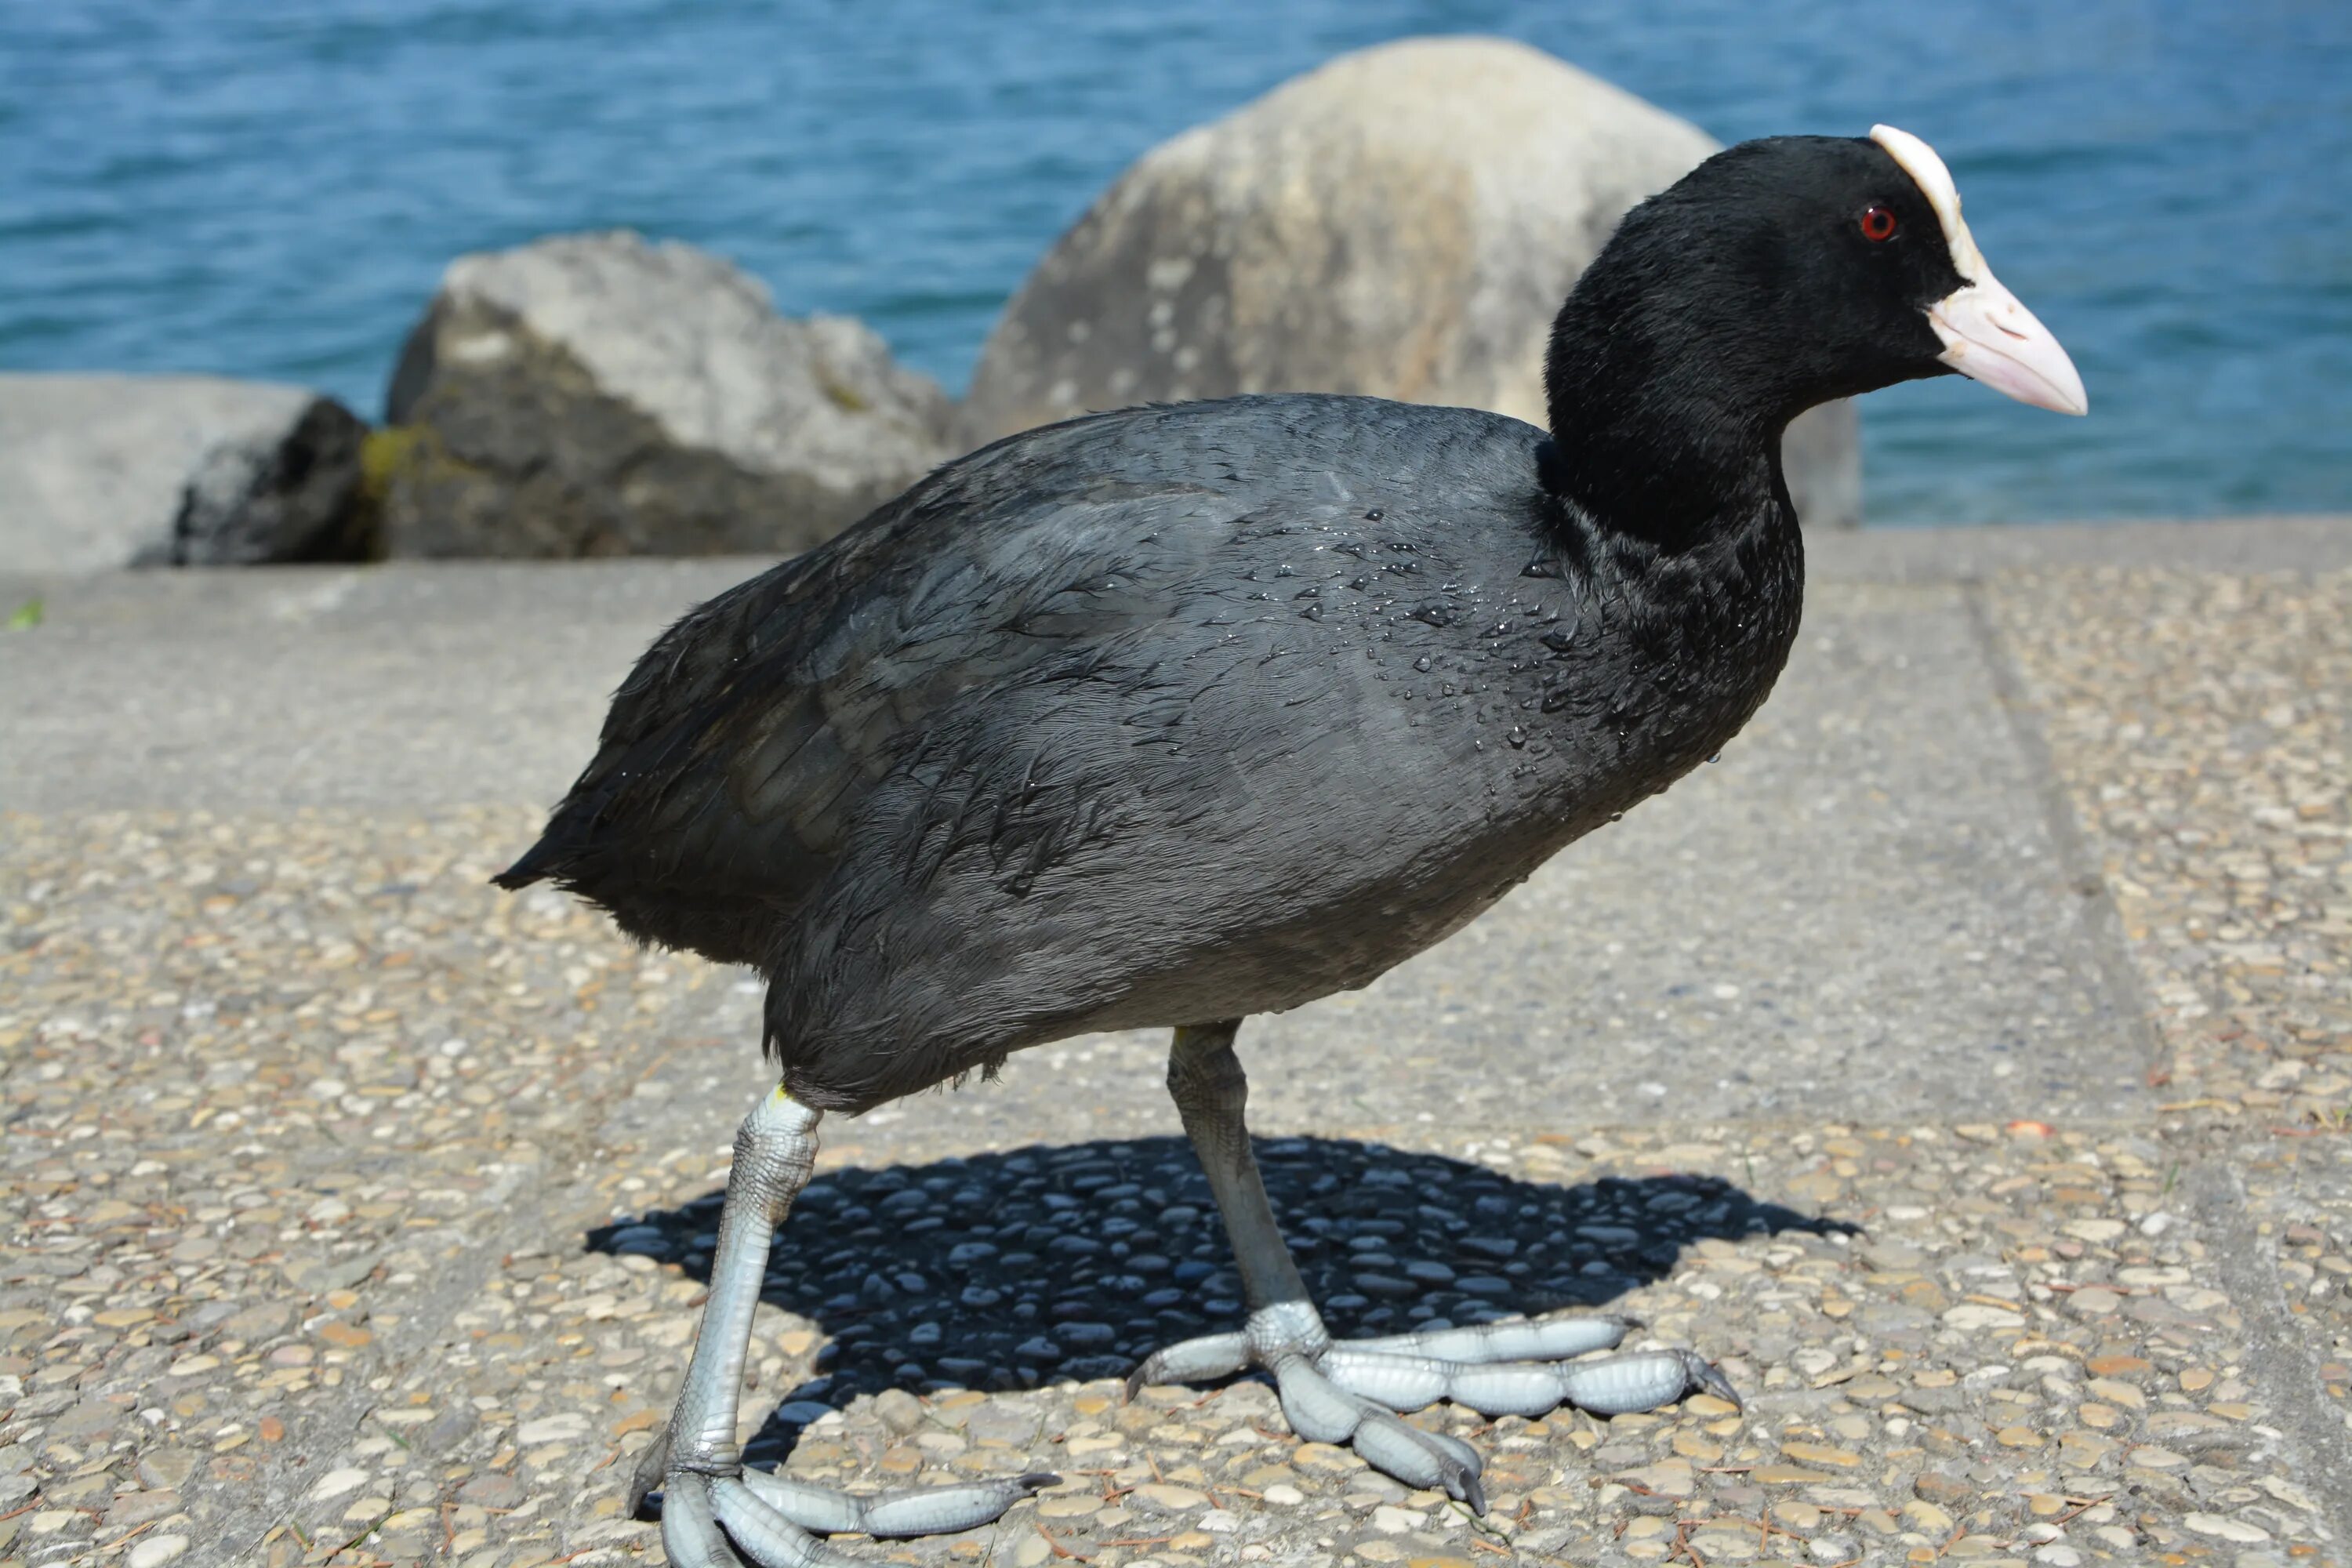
column 1173, row 715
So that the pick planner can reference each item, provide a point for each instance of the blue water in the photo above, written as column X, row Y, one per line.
column 270, row 189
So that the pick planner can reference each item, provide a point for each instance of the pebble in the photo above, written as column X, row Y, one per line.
column 2226, row 1529
column 338, row 1483
column 568, row 1427
column 155, row 1550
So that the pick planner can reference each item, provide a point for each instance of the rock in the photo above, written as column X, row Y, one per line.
column 338, row 1483
column 567, row 1426
column 900, row 1410
column 2227, row 1529
column 156, row 1551
column 101, row 471
column 598, row 394
column 1402, row 222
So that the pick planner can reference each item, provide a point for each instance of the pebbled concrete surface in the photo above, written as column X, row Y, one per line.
column 351, row 1212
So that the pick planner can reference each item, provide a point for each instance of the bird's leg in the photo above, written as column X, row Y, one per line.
column 1351, row 1393
column 697, row 1464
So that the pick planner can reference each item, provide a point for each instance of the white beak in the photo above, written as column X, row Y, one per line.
column 1990, row 337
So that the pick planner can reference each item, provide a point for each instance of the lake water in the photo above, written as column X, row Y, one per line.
column 268, row 189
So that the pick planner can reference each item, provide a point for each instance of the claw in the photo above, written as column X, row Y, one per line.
column 1708, row 1378
column 1625, row 1384
column 1469, row 1457
column 647, row 1478
column 1408, row 1453
column 1203, row 1359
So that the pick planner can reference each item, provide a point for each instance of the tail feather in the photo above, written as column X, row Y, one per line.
column 550, row 857
column 534, row 867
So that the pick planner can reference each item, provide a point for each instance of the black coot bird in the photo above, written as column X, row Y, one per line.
column 1174, row 715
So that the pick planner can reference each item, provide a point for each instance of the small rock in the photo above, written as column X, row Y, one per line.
column 2227, row 1529
column 492, row 1489
column 337, row 1483
column 1325, row 1458
column 1667, row 1477
column 567, row 1427
column 2289, row 1493
column 166, row 1470
column 1973, row 1315
column 900, row 1410
column 138, row 1507
column 1822, row 1453
column 156, row 1551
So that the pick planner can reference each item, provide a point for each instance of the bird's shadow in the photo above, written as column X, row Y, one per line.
column 1006, row 1270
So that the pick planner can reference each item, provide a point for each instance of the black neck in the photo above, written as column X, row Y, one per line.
column 1667, row 425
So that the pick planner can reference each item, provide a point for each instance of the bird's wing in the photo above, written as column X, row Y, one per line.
column 736, row 757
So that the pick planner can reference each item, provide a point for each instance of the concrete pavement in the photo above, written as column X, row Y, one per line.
column 353, row 1208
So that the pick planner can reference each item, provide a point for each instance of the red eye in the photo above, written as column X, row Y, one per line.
column 1877, row 224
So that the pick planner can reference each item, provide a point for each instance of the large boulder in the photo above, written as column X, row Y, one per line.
column 1402, row 222
column 98, row 471
column 596, row 395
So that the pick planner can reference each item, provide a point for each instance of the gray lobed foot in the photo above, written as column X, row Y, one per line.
column 721, row 1521
column 1351, row 1393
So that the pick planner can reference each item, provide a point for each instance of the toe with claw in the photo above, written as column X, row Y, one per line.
column 1352, row 1392
column 729, row 1519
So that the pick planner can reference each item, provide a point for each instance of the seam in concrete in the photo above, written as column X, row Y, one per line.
column 2102, row 922
column 2283, row 1365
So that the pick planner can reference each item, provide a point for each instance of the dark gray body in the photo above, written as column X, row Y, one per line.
column 1157, row 718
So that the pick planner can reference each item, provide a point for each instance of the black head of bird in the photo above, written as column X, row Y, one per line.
column 1778, row 274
